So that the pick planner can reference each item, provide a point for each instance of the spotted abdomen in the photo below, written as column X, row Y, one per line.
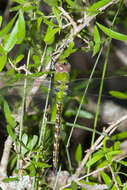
column 61, row 82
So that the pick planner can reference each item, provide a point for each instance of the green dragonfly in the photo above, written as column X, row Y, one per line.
column 63, row 86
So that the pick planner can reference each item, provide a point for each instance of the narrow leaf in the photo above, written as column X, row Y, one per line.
column 40, row 164
column 78, row 153
column 112, row 34
column 125, row 186
column 50, row 34
column 12, row 38
column 20, row 1
column 74, row 186
column 51, row 3
column 68, row 51
column 1, row 20
column 119, row 136
column 3, row 60
column 82, row 113
column 118, row 94
column 73, row 4
column 98, row 5
column 32, row 142
column 57, row 14
column 21, row 28
column 5, row 30
column 7, row 180
column 11, row 132
column 96, row 35
column 96, row 158
column 8, row 116
column 106, row 178
column 19, row 58
column 123, row 163
column 24, row 140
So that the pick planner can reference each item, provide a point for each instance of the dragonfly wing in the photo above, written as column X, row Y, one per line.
column 13, row 91
column 110, row 83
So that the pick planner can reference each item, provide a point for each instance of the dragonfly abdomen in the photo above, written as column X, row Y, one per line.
column 61, row 81
column 56, row 138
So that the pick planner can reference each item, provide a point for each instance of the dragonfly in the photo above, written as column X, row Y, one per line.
column 63, row 87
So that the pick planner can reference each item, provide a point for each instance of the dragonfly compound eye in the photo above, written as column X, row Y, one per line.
column 65, row 63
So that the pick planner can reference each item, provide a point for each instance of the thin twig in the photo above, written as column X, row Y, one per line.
column 5, row 157
column 98, row 143
column 73, row 23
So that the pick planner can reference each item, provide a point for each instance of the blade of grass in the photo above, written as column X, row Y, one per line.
column 22, row 114
column 101, row 86
column 84, row 94
column 42, row 130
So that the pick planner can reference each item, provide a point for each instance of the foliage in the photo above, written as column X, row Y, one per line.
column 30, row 43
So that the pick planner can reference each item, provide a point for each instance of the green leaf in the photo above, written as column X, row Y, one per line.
column 8, row 116
column 74, row 186
column 119, row 136
column 7, row 180
column 24, row 140
column 5, row 30
column 53, row 113
column 94, row 159
column 32, row 170
column 106, row 178
column 125, row 186
column 96, row 49
column 117, row 145
column 36, row 59
column 82, row 113
column 12, row 38
column 50, row 34
column 39, row 21
column 19, row 58
column 41, row 165
column 52, row 3
column 48, row 55
column 22, row 2
column 74, row 5
column 78, row 153
column 68, row 51
column 112, row 34
column 57, row 14
column 32, row 142
column 98, row 5
column 2, row 51
column 123, row 162
column 1, row 18
column 96, row 35
column 21, row 28
column 118, row 94
column 96, row 40
column 11, row 132
column 3, row 60
column 114, row 152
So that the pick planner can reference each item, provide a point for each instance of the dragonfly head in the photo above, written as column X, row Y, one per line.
column 62, row 66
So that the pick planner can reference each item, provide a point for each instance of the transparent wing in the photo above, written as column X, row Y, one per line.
column 111, row 107
column 13, row 90
column 37, row 89
column 116, row 83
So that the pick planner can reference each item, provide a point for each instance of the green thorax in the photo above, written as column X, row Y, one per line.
column 61, row 80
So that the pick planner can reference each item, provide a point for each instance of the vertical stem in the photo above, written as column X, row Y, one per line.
column 85, row 92
column 22, row 114
column 42, row 130
column 102, row 82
